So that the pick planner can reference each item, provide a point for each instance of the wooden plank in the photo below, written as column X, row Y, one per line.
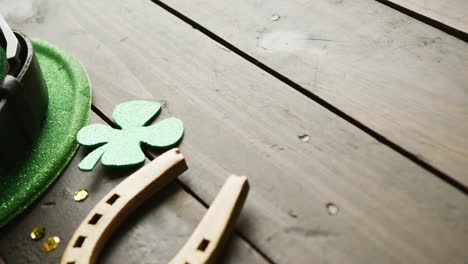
column 154, row 234
column 398, row 76
column 452, row 13
column 241, row 120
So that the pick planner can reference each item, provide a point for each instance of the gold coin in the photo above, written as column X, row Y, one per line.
column 80, row 195
column 51, row 243
column 38, row 233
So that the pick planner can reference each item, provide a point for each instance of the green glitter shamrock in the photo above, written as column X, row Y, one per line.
column 122, row 147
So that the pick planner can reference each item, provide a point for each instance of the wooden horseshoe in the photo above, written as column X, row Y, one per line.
column 211, row 234
column 109, row 213
column 203, row 246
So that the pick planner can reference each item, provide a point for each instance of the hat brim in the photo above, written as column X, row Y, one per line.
column 69, row 91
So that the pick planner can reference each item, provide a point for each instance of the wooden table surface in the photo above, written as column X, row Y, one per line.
column 349, row 117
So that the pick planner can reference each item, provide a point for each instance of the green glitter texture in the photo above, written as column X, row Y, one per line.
column 69, row 105
column 122, row 147
column 3, row 63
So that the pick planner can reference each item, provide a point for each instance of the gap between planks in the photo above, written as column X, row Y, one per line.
column 376, row 135
column 186, row 189
column 427, row 20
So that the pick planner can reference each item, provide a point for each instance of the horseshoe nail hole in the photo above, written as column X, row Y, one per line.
column 203, row 245
column 79, row 241
column 95, row 219
column 113, row 198
column 332, row 209
column 177, row 151
column 71, row 262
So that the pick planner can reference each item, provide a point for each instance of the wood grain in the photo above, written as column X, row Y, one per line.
column 321, row 190
column 453, row 13
column 153, row 234
column 398, row 76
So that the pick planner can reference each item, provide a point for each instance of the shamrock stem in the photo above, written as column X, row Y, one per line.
column 90, row 161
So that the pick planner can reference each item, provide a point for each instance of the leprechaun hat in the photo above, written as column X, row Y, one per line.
column 45, row 99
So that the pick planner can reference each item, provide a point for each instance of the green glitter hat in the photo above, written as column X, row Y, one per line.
column 3, row 63
column 69, row 100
